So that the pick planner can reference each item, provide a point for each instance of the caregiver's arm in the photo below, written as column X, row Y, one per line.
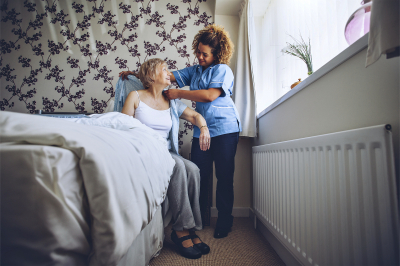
column 197, row 119
column 197, row 95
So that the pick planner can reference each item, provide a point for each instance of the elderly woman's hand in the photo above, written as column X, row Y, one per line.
column 204, row 140
column 197, row 119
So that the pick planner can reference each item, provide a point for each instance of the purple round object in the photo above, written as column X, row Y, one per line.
column 358, row 23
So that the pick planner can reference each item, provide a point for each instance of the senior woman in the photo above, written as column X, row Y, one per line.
column 153, row 109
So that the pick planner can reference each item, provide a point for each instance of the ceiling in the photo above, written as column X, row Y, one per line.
column 232, row 7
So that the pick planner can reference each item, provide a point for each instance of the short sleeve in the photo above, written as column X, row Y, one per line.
column 180, row 107
column 222, row 77
column 184, row 76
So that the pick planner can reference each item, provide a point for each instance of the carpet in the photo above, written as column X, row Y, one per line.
column 242, row 247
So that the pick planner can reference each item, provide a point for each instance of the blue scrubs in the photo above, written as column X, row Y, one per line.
column 221, row 114
column 224, row 125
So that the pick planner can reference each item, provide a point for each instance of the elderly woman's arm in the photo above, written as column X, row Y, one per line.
column 130, row 104
column 198, row 120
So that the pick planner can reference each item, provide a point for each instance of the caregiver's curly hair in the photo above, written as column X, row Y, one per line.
column 218, row 39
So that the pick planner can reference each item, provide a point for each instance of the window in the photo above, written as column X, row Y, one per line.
column 322, row 21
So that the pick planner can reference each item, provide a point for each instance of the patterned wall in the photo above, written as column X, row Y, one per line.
column 61, row 55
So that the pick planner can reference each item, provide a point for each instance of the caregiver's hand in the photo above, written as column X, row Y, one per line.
column 172, row 94
column 125, row 74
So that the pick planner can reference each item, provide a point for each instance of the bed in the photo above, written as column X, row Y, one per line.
column 81, row 191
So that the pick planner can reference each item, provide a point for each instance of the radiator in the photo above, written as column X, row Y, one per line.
column 331, row 199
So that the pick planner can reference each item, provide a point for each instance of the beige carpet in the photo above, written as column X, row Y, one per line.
column 244, row 246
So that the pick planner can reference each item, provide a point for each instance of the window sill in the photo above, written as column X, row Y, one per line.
column 346, row 54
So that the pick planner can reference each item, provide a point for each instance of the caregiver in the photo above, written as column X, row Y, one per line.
column 211, row 84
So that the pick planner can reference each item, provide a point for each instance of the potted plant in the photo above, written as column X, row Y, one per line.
column 302, row 50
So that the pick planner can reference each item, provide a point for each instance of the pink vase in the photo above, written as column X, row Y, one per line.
column 358, row 23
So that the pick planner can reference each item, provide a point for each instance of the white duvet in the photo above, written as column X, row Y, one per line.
column 125, row 172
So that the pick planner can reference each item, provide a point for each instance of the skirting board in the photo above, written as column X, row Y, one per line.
column 236, row 212
column 283, row 253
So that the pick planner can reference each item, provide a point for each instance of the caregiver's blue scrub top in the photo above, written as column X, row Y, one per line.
column 221, row 114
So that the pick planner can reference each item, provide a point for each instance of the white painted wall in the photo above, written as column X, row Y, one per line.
column 349, row 97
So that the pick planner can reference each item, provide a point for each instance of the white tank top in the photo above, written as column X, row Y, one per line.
column 159, row 120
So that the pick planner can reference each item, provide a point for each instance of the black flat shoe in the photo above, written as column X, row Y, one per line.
column 221, row 232
column 203, row 247
column 190, row 252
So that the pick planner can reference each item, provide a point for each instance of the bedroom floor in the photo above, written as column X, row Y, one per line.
column 243, row 246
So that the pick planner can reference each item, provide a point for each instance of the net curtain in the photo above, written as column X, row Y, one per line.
column 244, row 90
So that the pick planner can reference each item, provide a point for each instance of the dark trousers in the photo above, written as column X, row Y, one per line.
column 222, row 152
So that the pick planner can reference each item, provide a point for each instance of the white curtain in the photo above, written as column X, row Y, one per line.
column 384, row 29
column 244, row 88
column 322, row 21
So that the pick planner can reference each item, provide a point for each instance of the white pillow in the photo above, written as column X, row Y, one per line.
column 110, row 106
column 114, row 120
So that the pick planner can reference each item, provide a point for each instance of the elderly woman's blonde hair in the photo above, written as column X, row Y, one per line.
column 148, row 71
column 219, row 41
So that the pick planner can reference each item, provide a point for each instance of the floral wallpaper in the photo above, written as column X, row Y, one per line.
column 65, row 56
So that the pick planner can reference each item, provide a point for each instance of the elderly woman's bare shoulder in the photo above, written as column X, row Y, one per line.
column 133, row 97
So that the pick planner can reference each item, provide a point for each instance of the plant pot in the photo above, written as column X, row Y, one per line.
column 295, row 84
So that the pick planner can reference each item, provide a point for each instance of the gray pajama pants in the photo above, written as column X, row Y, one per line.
column 183, row 195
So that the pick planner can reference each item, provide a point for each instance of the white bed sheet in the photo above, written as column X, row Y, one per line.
column 125, row 175
column 45, row 215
